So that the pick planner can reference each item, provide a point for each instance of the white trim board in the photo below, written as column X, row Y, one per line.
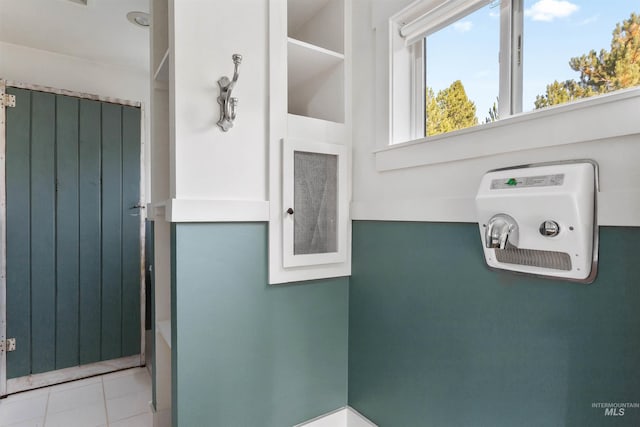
column 615, row 208
column 83, row 95
column 195, row 210
column 161, row 418
column 3, row 242
column 345, row 417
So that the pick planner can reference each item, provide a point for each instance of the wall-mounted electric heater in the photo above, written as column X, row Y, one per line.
column 541, row 219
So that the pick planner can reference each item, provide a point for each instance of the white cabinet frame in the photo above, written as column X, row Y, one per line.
column 291, row 125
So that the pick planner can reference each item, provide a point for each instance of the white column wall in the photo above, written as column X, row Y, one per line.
column 212, row 165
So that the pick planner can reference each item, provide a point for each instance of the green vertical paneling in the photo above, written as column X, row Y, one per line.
column 148, row 275
column 67, row 233
column 111, row 231
column 89, row 219
column 175, row 366
column 18, row 230
column 43, row 259
column 437, row 339
column 130, row 230
column 149, row 257
column 246, row 353
column 73, row 243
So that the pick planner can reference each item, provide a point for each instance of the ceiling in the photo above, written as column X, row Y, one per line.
column 98, row 32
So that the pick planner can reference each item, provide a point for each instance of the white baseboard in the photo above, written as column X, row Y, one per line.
column 345, row 417
column 356, row 419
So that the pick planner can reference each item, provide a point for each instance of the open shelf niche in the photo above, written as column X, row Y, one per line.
column 315, row 59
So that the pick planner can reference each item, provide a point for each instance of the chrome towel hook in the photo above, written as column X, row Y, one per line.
column 227, row 103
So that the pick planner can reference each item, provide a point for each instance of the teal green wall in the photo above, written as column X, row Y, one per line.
column 436, row 339
column 246, row 353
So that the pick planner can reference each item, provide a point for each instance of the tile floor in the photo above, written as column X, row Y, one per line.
column 119, row 399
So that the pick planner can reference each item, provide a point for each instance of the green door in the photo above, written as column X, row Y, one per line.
column 73, row 231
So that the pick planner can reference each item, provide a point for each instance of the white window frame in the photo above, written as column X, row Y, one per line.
column 290, row 146
column 557, row 126
column 407, row 31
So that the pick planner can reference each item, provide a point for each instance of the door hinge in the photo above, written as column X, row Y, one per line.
column 8, row 345
column 8, row 100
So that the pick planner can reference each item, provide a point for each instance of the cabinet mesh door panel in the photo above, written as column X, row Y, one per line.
column 315, row 194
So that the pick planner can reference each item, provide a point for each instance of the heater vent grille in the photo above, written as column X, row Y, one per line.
column 534, row 258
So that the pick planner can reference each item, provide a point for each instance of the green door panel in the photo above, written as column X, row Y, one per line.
column 111, row 231
column 89, row 193
column 18, row 179
column 43, row 257
column 67, row 233
column 130, row 229
column 73, row 241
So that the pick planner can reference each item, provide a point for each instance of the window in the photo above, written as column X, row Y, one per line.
column 462, row 76
column 461, row 63
column 559, row 36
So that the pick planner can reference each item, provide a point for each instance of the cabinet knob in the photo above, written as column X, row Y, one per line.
column 290, row 211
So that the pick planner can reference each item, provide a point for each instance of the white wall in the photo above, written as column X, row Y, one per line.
column 32, row 66
column 445, row 191
column 211, row 164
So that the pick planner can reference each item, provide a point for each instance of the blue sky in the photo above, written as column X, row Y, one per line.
column 554, row 32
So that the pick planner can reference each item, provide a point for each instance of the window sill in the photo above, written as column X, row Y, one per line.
column 605, row 116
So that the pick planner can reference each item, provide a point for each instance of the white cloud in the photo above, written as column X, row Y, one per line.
column 548, row 10
column 463, row 26
column 589, row 20
column 494, row 14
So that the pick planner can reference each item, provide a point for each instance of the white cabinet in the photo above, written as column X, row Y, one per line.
column 310, row 140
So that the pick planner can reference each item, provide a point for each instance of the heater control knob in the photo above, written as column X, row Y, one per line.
column 549, row 228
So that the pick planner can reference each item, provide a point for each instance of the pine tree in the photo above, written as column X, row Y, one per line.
column 449, row 110
column 436, row 118
column 493, row 113
column 602, row 72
